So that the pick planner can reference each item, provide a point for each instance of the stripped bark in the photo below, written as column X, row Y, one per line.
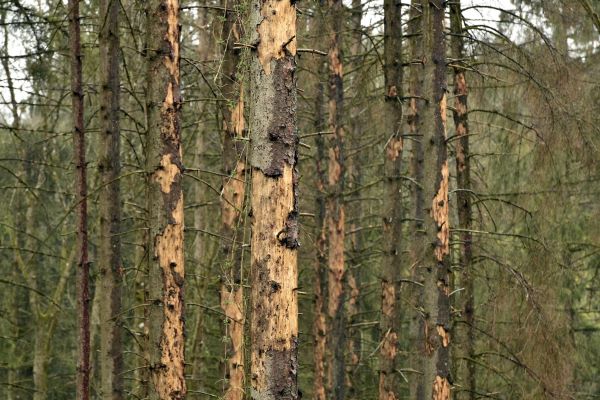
column 109, row 248
column 232, row 201
column 83, row 270
column 165, row 316
column 274, row 275
column 466, row 366
column 389, row 385
column 335, row 219
column 436, row 261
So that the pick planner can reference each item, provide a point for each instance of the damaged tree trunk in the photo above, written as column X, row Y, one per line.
column 109, row 248
column 83, row 270
column 466, row 365
column 436, row 262
column 274, row 274
column 232, row 202
column 164, row 166
column 335, row 220
column 389, row 384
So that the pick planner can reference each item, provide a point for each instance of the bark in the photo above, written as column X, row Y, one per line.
column 435, row 182
column 83, row 294
column 466, row 366
column 109, row 249
column 335, row 219
column 232, row 202
column 274, row 275
column 320, row 287
column 392, row 214
column 415, row 127
column 353, row 382
column 164, row 166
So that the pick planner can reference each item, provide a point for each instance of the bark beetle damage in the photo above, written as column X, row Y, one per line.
column 233, row 195
column 336, row 222
column 394, row 148
column 439, row 212
column 232, row 303
column 276, row 32
column 274, row 324
column 168, row 377
column 275, row 141
column 444, row 335
column 441, row 389
column 460, row 118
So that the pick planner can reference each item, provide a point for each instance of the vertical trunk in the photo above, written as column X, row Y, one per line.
column 335, row 219
column 415, row 122
column 83, row 342
column 165, row 204
column 320, row 324
column 109, row 165
column 274, row 328
column 232, row 202
column 353, row 382
column 435, row 183
column 463, row 196
column 392, row 214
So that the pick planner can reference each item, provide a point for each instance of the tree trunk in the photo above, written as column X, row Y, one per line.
column 83, row 295
column 463, row 196
column 435, row 183
column 232, row 203
column 415, row 126
column 392, row 213
column 335, row 219
column 274, row 275
column 320, row 286
column 165, row 204
column 109, row 248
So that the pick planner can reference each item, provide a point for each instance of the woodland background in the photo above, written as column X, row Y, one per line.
column 533, row 72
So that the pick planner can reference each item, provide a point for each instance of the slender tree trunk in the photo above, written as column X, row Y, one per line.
column 355, row 251
column 320, row 287
column 392, row 214
column 109, row 165
column 274, row 274
column 83, row 272
column 335, row 219
column 165, row 204
column 415, row 127
column 463, row 196
column 232, row 202
column 435, row 182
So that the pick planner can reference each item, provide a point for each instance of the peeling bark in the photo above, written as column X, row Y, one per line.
column 335, row 219
column 109, row 166
column 274, row 327
column 436, row 261
column 465, row 373
column 389, row 385
column 165, row 314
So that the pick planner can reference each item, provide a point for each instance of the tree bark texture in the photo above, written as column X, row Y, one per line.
column 335, row 220
column 392, row 213
column 165, row 317
column 466, row 365
column 274, row 275
column 109, row 165
column 435, row 182
column 83, row 271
